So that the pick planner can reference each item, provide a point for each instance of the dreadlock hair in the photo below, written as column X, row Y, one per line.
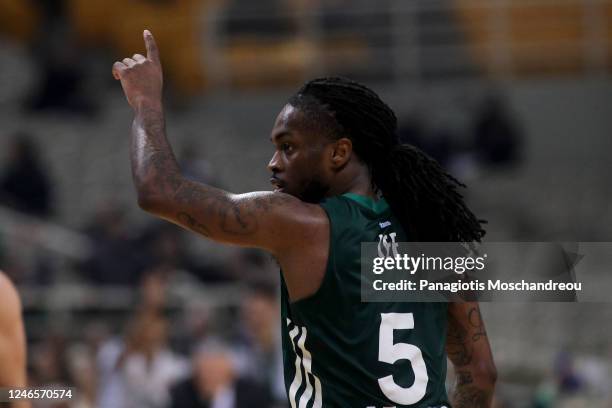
column 419, row 191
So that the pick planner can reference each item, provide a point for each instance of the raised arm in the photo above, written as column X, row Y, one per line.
column 468, row 348
column 273, row 221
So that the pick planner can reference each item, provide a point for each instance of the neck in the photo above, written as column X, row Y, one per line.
column 355, row 179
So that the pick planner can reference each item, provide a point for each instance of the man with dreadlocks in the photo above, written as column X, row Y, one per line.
column 341, row 177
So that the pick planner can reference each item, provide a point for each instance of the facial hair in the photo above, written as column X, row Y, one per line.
column 314, row 191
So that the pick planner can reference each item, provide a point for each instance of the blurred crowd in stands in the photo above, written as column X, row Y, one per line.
column 191, row 355
column 162, row 360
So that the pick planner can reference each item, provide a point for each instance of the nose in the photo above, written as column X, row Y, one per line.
column 275, row 164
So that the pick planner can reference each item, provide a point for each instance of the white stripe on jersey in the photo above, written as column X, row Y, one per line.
column 297, row 380
column 305, row 362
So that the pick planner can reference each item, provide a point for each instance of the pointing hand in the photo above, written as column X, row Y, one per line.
column 141, row 78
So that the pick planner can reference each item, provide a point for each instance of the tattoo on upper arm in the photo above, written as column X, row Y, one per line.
column 186, row 219
column 217, row 210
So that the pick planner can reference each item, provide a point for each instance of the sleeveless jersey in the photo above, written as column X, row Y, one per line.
column 339, row 352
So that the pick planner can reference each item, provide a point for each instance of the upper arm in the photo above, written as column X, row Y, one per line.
column 12, row 337
column 276, row 222
column 467, row 344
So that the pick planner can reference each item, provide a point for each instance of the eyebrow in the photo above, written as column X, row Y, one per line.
column 280, row 135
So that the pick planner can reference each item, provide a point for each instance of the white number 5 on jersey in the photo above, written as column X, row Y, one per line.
column 388, row 352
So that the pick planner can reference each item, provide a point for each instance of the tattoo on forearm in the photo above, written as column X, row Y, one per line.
column 475, row 320
column 464, row 378
column 467, row 336
column 458, row 348
column 471, row 397
column 152, row 157
column 461, row 339
column 467, row 394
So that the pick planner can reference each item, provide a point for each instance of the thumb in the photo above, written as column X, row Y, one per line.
column 152, row 51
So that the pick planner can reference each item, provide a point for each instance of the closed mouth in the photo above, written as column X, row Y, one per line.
column 278, row 184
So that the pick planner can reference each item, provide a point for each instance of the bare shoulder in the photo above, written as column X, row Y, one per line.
column 265, row 200
column 302, row 222
column 298, row 237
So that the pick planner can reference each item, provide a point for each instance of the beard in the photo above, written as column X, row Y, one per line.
column 314, row 191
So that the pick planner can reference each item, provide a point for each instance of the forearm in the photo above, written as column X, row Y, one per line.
column 473, row 390
column 164, row 192
column 469, row 350
column 264, row 219
column 155, row 171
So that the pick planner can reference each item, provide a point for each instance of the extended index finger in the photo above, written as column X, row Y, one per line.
column 152, row 51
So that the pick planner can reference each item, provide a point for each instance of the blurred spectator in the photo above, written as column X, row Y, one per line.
column 260, row 346
column 496, row 135
column 162, row 243
column 139, row 369
column 25, row 183
column 250, row 264
column 162, row 246
column 49, row 362
column 82, row 370
column 568, row 379
column 60, row 60
column 115, row 258
column 545, row 395
column 439, row 142
column 215, row 383
column 196, row 167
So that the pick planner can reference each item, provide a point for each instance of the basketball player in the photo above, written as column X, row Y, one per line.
column 340, row 178
column 12, row 339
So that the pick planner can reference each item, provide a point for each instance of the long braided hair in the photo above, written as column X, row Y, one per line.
column 420, row 192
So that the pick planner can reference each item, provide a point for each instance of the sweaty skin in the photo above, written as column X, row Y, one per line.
column 12, row 339
column 306, row 166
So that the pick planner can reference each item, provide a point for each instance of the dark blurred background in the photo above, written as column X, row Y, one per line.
column 514, row 97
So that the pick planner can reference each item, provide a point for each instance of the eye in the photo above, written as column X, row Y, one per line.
column 286, row 147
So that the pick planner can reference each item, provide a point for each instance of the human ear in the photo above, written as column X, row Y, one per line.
column 343, row 148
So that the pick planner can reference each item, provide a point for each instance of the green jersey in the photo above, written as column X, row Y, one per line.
column 339, row 352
